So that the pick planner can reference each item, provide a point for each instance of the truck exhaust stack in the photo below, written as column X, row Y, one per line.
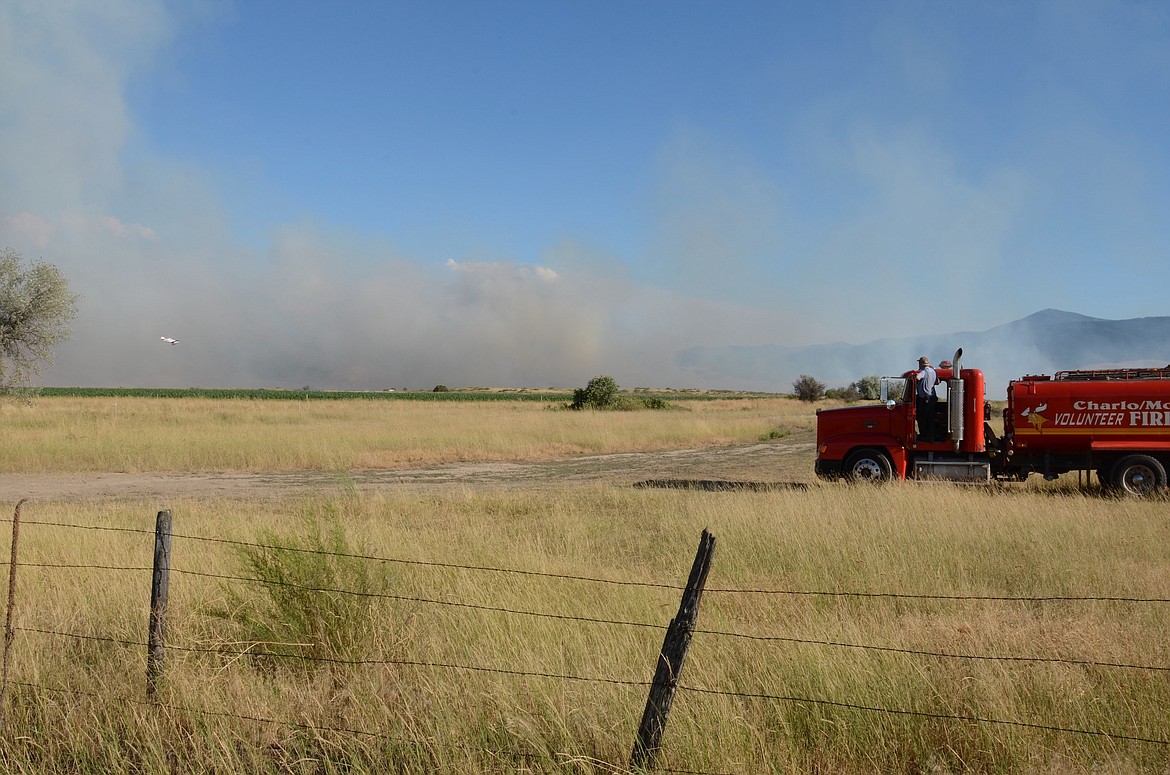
column 955, row 402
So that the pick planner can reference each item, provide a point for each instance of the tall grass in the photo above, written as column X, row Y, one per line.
column 66, row 434
column 311, row 596
column 458, row 674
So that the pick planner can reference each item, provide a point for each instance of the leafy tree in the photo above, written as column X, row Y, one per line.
column 864, row 389
column 600, row 393
column 849, row 394
column 36, row 308
column 441, row 389
column 869, row 387
column 808, row 388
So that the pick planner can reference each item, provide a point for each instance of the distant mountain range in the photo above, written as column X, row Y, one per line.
column 1042, row 343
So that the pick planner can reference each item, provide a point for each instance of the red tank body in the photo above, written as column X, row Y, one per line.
column 1086, row 420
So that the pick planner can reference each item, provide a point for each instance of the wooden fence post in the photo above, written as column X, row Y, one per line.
column 9, row 631
column 670, row 660
column 159, row 589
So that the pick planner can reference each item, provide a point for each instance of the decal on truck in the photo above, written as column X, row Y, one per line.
column 1100, row 414
column 1033, row 416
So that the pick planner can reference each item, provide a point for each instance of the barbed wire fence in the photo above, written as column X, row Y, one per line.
column 662, row 688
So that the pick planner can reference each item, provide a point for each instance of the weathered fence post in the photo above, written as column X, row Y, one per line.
column 9, row 631
column 159, row 588
column 670, row 660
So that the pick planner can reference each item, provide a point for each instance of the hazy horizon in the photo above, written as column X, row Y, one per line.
column 378, row 195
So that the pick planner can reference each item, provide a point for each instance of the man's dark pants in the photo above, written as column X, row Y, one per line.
column 925, row 406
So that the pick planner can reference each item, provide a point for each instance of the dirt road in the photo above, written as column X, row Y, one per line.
column 775, row 462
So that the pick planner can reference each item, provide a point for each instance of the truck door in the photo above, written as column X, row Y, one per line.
column 898, row 395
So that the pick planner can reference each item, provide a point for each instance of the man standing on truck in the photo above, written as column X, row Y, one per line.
column 925, row 399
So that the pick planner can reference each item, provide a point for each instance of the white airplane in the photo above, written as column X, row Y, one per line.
column 168, row 340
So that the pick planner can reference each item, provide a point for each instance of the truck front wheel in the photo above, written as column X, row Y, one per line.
column 1139, row 475
column 868, row 465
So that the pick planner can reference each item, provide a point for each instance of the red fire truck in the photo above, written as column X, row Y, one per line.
column 1115, row 423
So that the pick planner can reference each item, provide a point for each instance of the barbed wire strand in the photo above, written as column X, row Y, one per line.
column 425, row 600
column 926, row 714
column 315, row 728
column 759, row 696
column 625, row 623
column 917, row 596
column 83, row 566
column 354, row 662
column 801, row 641
column 938, row 654
column 566, row 758
column 698, row 690
column 369, row 557
column 647, row 584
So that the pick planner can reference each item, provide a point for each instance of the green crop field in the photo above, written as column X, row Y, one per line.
column 551, row 395
column 260, row 394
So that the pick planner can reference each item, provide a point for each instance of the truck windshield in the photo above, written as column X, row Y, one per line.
column 894, row 389
column 901, row 390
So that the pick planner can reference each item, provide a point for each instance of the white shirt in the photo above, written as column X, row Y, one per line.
column 927, row 379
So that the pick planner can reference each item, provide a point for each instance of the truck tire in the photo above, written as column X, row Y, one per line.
column 1139, row 475
column 868, row 465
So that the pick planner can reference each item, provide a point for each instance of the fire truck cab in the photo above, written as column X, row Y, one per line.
column 877, row 443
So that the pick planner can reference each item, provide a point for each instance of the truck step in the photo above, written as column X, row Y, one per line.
column 953, row 470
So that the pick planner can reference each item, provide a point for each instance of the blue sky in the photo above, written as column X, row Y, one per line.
column 401, row 194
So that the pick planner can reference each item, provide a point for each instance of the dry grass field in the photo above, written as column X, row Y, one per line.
column 488, row 626
column 84, row 435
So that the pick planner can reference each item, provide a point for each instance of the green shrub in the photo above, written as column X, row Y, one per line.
column 600, row 393
column 310, row 597
column 441, row 389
